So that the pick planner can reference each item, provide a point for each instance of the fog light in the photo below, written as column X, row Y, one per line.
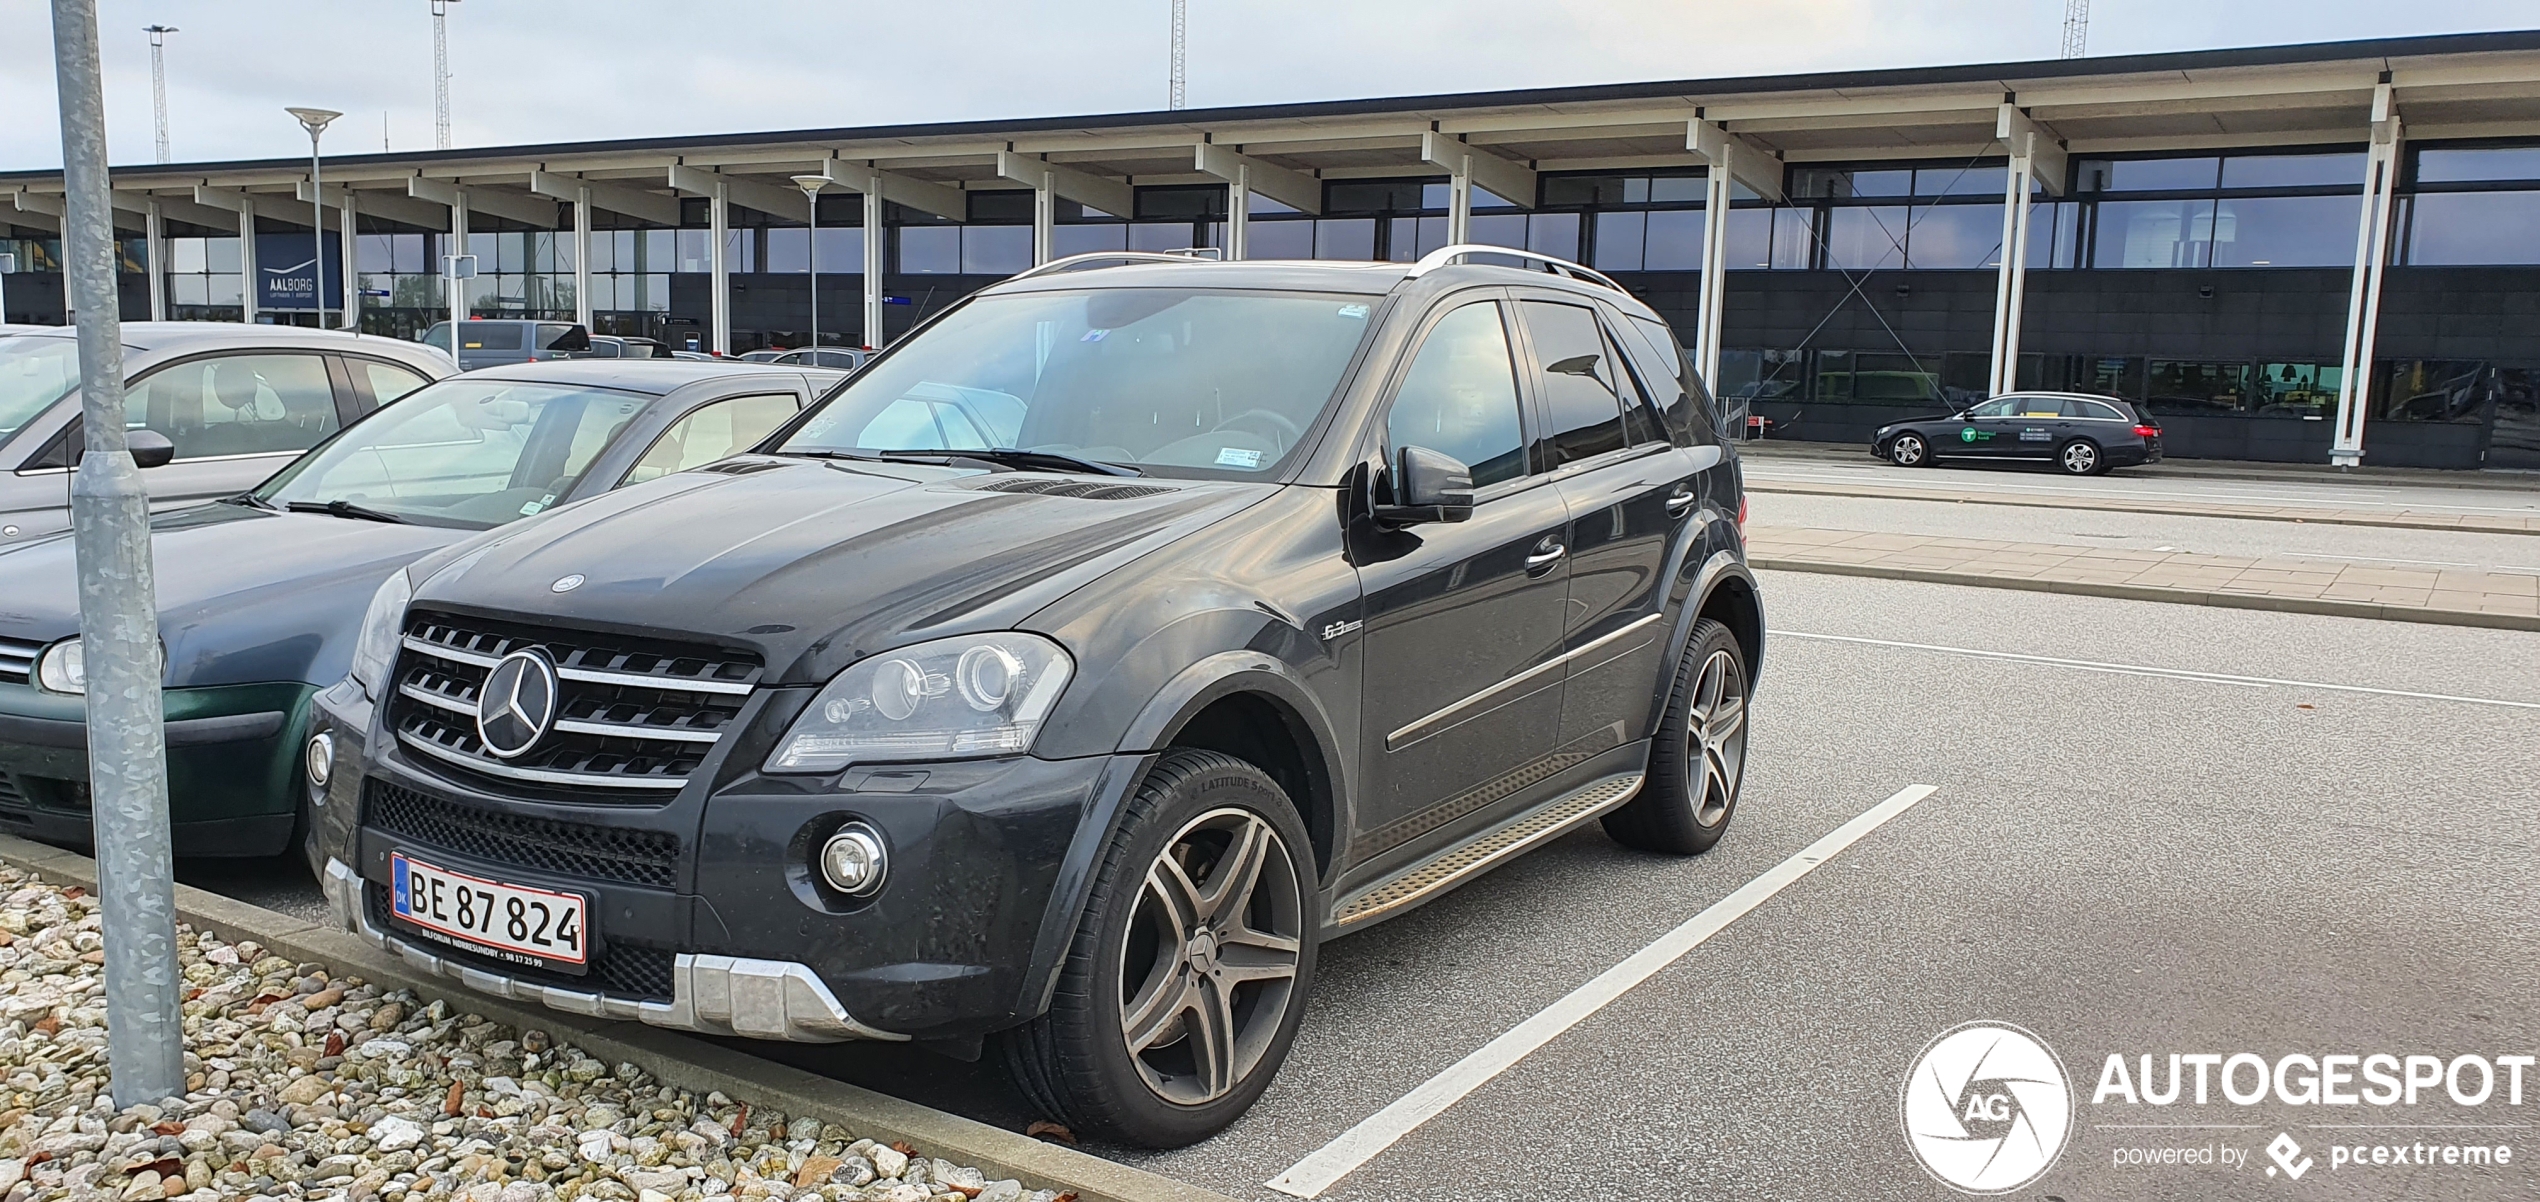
column 321, row 757
column 852, row 860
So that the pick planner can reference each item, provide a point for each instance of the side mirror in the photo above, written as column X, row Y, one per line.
column 150, row 448
column 1575, row 365
column 575, row 339
column 1428, row 486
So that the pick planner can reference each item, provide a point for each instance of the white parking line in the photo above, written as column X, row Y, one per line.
column 2087, row 665
column 1309, row 1177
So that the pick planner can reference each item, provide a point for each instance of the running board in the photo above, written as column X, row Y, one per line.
column 1456, row 864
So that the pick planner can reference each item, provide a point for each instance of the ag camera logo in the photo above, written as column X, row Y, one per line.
column 1987, row 1108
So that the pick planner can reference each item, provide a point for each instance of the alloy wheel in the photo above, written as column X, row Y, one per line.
column 1715, row 735
column 2080, row 457
column 1907, row 450
column 1209, row 963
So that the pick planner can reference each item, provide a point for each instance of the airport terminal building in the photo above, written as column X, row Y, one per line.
column 2298, row 253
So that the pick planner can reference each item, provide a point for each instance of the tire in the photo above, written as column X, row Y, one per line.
column 2081, row 457
column 1697, row 761
column 1909, row 450
column 1191, row 814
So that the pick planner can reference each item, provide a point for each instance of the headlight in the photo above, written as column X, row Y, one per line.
column 63, row 668
column 976, row 695
column 382, row 624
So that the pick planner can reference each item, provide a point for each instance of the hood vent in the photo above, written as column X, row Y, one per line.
column 1081, row 489
column 742, row 467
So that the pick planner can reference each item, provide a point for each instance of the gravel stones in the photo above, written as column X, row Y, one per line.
column 305, row 1084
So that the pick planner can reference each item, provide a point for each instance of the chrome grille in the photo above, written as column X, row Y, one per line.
column 635, row 716
column 17, row 660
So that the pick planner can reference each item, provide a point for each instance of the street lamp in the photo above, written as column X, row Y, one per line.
column 315, row 121
column 811, row 186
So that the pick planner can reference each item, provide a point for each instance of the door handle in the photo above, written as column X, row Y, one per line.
column 1542, row 561
column 1679, row 501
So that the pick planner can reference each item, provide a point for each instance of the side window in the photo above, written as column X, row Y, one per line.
column 2097, row 409
column 1640, row 418
column 1997, row 407
column 387, row 380
column 716, row 431
column 1651, row 347
column 1582, row 410
column 1460, row 396
column 237, row 405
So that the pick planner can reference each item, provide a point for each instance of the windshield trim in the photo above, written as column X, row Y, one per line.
column 1308, row 445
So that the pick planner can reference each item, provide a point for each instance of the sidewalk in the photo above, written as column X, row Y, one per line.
column 2403, row 519
column 2501, row 600
column 1765, row 449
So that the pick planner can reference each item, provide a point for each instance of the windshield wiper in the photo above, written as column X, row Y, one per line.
column 344, row 509
column 251, row 501
column 1047, row 461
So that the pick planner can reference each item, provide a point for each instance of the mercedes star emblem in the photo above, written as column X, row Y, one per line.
column 517, row 703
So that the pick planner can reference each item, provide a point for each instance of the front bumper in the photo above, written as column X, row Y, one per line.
column 233, row 759
column 713, row 995
column 730, row 931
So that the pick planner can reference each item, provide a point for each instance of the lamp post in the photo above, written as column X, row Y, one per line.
column 315, row 121
column 159, row 83
column 811, row 186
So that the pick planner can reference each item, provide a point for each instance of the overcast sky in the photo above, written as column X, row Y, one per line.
column 553, row 70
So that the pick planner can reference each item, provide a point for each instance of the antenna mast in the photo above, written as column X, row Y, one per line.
column 2076, row 27
column 441, row 73
column 159, row 83
column 1180, row 18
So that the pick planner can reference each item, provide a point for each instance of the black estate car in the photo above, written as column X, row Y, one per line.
column 1068, row 673
column 2081, row 435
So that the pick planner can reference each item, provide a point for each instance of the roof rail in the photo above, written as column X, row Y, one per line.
column 1445, row 255
column 1107, row 258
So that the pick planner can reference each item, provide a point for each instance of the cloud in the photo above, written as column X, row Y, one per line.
column 540, row 70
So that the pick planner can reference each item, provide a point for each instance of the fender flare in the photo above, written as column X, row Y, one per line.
column 1190, row 691
column 1721, row 566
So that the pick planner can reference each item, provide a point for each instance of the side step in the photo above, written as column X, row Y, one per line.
column 1456, row 864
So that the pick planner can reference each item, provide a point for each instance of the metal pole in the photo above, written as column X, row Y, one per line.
column 582, row 257
column 441, row 74
column 347, row 258
column 118, row 618
column 315, row 121
column 876, row 252
column 159, row 83
column 811, row 186
column 156, row 239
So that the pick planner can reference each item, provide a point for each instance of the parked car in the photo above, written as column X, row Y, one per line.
column 509, row 340
column 986, row 701
column 843, row 358
column 764, row 355
column 213, row 407
column 2081, row 435
column 614, row 346
column 260, row 595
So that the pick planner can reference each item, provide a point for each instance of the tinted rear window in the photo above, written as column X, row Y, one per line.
column 489, row 336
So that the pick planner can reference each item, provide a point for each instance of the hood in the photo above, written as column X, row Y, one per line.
column 817, row 563
column 246, row 596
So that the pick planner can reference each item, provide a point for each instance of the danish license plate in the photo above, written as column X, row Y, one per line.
column 539, row 928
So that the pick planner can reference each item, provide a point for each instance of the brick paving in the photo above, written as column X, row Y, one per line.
column 2443, row 595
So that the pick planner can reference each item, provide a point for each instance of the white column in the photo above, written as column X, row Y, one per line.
column 458, row 287
column 2010, row 288
column 348, row 266
column 1239, row 213
column 1711, row 302
column 1044, row 219
column 1459, row 203
column 876, row 254
column 719, row 226
column 155, row 247
column 248, row 283
column 582, row 256
column 2363, row 302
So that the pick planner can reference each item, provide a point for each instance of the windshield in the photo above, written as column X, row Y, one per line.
column 34, row 373
column 469, row 453
column 1174, row 381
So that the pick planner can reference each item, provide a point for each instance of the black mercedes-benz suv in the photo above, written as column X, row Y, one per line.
column 1067, row 675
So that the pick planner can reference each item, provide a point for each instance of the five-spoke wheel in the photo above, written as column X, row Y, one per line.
column 1698, row 760
column 1208, row 966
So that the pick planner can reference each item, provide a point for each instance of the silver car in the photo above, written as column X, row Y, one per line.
column 224, row 406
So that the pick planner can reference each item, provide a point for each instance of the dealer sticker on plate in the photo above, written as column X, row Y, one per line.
column 540, row 928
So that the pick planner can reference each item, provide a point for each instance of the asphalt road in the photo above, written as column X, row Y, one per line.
column 2172, row 845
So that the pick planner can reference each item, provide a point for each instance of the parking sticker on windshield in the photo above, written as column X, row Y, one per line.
column 535, row 506
column 1095, row 335
column 1238, row 457
column 1358, row 312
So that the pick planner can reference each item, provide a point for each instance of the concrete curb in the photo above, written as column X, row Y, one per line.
column 2327, row 518
column 676, row 1059
column 2139, row 592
